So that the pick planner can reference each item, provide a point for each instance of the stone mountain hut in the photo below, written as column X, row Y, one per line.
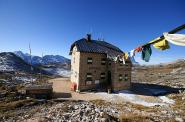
column 94, row 66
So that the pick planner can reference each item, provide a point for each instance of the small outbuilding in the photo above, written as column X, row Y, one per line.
column 43, row 91
column 95, row 65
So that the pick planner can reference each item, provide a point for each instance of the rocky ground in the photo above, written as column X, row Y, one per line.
column 170, row 79
column 97, row 110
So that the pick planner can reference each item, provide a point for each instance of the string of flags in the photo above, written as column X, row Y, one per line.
column 160, row 43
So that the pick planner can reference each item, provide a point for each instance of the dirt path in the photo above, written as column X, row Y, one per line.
column 61, row 89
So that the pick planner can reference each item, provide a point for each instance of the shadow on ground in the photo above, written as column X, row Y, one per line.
column 62, row 95
column 153, row 89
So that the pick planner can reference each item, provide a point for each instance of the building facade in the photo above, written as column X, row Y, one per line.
column 94, row 66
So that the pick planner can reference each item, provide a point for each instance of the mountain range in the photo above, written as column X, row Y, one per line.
column 20, row 62
column 45, row 60
column 10, row 62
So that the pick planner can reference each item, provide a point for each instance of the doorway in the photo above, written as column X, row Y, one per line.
column 109, row 80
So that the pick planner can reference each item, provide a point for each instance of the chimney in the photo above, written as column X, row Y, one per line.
column 88, row 37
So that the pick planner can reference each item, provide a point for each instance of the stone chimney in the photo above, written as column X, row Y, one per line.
column 88, row 37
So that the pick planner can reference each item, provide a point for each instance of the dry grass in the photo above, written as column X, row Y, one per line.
column 179, row 103
column 8, row 110
column 15, row 104
column 11, row 111
column 121, row 105
column 133, row 118
column 139, row 107
column 99, row 102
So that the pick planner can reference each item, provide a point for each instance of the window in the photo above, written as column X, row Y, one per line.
column 109, row 63
column 120, row 77
column 89, row 79
column 89, row 60
column 126, row 77
column 102, row 76
column 103, row 61
column 127, row 63
column 121, row 63
column 89, row 76
column 96, row 81
column 88, row 82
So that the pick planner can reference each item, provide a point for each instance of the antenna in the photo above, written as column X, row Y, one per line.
column 41, row 71
column 101, row 36
column 91, row 30
column 30, row 61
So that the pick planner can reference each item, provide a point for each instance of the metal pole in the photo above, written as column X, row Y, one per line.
column 30, row 63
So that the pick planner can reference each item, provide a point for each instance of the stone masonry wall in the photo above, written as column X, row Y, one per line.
column 80, row 69
column 96, row 68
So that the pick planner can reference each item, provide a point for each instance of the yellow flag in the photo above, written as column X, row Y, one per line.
column 160, row 44
column 126, row 55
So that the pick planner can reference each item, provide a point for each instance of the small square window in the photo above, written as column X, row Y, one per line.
column 127, row 63
column 102, row 76
column 120, row 77
column 103, row 61
column 89, row 60
column 109, row 63
column 89, row 77
column 126, row 77
column 88, row 82
column 121, row 63
column 96, row 81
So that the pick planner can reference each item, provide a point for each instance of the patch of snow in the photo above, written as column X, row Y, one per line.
column 133, row 98
column 59, row 71
column 26, row 79
column 6, row 68
column 167, row 100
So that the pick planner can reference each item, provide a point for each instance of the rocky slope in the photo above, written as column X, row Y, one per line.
column 10, row 62
column 170, row 74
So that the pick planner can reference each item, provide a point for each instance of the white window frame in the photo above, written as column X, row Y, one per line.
column 120, row 77
column 88, row 82
column 89, row 61
column 102, row 76
column 97, row 81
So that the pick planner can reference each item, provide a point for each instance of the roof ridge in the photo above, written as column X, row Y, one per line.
column 96, row 46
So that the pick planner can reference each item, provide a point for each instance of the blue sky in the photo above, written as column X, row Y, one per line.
column 51, row 26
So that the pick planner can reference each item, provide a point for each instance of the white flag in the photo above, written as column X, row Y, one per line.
column 177, row 39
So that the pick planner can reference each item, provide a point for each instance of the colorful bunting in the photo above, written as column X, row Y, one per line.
column 160, row 43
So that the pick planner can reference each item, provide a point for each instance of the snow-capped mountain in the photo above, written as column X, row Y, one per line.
column 10, row 62
column 45, row 60
column 53, row 64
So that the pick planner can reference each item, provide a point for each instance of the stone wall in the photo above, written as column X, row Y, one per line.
column 121, row 70
column 96, row 68
column 82, row 71
column 75, row 65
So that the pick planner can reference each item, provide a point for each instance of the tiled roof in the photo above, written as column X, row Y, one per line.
column 96, row 46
